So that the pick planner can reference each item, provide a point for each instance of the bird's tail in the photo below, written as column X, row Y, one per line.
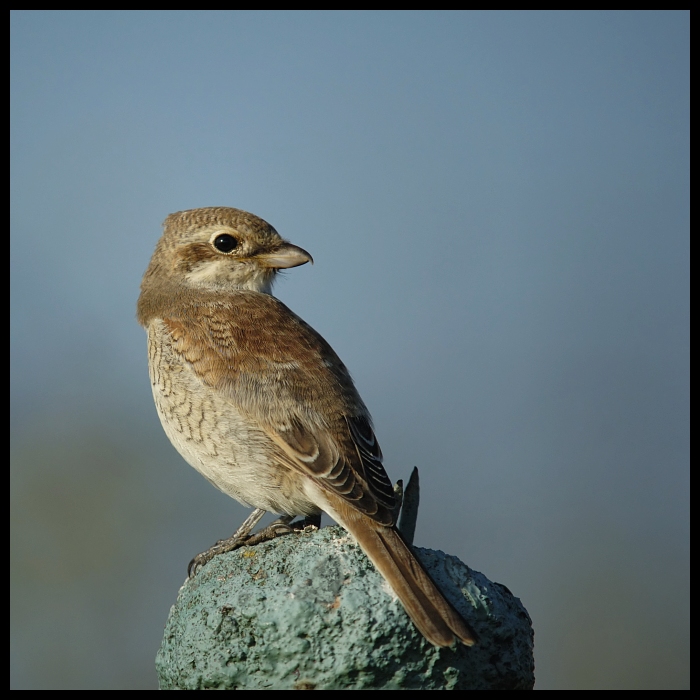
column 430, row 611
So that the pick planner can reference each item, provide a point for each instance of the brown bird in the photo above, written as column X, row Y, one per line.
column 259, row 403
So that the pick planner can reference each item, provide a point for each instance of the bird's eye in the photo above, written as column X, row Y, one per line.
column 225, row 243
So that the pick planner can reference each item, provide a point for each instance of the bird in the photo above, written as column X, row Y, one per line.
column 259, row 403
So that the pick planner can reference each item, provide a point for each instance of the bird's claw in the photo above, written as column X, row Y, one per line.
column 280, row 527
column 222, row 546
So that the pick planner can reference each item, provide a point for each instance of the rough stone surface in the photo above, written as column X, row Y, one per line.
column 309, row 611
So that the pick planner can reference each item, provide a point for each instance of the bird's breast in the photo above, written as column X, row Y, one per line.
column 214, row 436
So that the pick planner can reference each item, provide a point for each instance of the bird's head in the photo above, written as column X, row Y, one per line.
column 221, row 248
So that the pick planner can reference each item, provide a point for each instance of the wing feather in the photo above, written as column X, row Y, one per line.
column 256, row 352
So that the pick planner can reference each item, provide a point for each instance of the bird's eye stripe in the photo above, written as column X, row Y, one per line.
column 225, row 243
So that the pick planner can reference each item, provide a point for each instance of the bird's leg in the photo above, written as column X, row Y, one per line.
column 284, row 526
column 242, row 537
column 238, row 539
column 311, row 521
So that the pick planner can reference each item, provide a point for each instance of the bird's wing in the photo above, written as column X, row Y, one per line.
column 255, row 351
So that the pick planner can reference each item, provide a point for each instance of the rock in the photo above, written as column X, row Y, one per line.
column 309, row 611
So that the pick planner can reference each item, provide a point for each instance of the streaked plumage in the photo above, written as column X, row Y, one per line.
column 261, row 405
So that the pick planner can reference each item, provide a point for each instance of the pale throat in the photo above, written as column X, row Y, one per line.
column 223, row 275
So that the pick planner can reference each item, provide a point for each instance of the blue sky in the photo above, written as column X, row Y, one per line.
column 498, row 207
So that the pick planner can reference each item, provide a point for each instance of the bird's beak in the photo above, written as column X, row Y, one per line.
column 287, row 255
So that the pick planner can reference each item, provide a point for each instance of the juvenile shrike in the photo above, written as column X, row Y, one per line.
column 257, row 401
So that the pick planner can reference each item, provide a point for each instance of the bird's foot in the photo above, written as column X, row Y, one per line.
column 242, row 537
column 283, row 526
column 238, row 539
column 220, row 547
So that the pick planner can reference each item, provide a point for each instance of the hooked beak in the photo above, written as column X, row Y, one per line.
column 287, row 255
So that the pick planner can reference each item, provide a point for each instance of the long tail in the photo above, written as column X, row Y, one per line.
column 430, row 611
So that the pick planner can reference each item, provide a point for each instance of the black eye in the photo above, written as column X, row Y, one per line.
column 225, row 243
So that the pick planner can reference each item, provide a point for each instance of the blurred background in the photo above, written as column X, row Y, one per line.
column 498, row 208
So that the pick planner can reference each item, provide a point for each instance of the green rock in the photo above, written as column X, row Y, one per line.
column 309, row 611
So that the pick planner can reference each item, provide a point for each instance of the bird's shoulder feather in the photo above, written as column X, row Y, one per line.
column 280, row 372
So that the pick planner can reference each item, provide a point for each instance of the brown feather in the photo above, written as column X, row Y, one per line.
column 285, row 376
column 430, row 611
column 259, row 402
